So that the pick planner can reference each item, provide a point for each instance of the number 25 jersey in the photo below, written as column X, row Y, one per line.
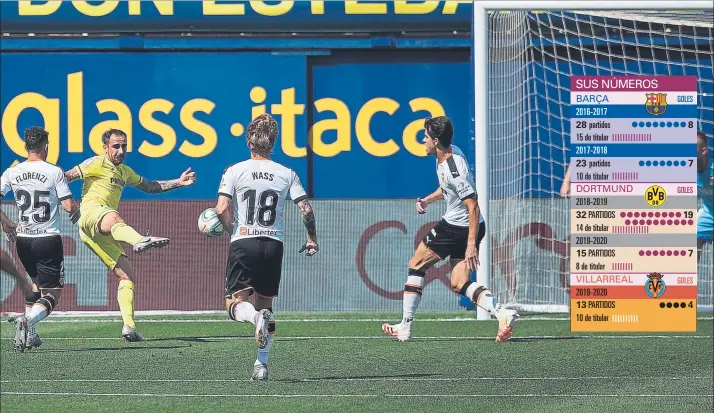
column 259, row 189
column 38, row 187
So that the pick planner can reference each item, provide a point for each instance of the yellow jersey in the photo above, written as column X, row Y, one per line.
column 104, row 181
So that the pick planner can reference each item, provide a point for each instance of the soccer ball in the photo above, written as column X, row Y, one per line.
column 209, row 224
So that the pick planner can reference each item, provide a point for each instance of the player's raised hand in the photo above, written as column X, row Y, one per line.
column 187, row 177
column 421, row 206
column 471, row 257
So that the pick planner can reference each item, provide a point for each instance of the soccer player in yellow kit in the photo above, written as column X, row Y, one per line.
column 101, row 228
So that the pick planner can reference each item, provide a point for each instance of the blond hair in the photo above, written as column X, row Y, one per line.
column 262, row 134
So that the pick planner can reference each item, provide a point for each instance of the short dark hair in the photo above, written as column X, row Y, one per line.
column 440, row 128
column 108, row 135
column 35, row 139
column 701, row 135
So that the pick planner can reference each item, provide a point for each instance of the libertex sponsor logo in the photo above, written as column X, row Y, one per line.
column 257, row 232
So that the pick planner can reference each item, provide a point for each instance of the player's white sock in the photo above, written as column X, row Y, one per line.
column 480, row 296
column 413, row 289
column 244, row 312
column 42, row 308
column 37, row 314
column 264, row 353
column 30, row 300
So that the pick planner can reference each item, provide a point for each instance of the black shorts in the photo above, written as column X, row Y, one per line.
column 43, row 259
column 446, row 240
column 255, row 263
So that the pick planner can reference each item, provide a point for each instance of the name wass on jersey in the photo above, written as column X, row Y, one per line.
column 259, row 189
column 456, row 185
column 39, row 187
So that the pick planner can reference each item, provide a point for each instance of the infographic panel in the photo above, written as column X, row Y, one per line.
column 633, row 258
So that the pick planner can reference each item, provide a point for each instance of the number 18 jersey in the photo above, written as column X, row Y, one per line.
column 259, row 189
column 38, row 187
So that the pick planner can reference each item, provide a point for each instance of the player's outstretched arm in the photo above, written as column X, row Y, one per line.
column 565, row 188
column 187, row 178
column 308, row 218
column 73, row 174
column 471, row 250
column 65, row 196
column 223, row 213
column 422, row 203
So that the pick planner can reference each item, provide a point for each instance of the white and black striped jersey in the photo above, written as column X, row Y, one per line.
column 456, row 184
column 38, row 187
column 259, row 189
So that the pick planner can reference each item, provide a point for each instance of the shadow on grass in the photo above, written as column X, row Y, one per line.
column 551, row 338
column 342, row 378
column 122, row 348
column 214, row 339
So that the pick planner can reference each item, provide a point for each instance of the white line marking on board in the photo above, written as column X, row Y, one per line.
column 254, row 395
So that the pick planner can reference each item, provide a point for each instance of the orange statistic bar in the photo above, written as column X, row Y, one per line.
column 658, row 315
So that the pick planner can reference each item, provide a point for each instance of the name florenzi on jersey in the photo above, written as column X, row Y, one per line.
column 262, row 175
column 31, row 175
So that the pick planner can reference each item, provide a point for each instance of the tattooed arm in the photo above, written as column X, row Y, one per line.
column 308, row 218
column 155, row 187
column 73, row 174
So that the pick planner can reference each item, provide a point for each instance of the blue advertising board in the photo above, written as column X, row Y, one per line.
column 184, row 109
column 243, row 16
column 180, row 109
column 384, row 104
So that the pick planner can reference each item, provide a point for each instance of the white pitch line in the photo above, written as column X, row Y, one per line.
column 286, row 338
column 357, row 379
column 303, row 320
column 254, row 395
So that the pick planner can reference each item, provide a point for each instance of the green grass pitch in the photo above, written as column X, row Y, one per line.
column 342, row 362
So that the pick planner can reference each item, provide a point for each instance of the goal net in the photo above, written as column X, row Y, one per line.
column 532, row 55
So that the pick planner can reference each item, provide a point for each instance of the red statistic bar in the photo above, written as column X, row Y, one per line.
column 631, row 292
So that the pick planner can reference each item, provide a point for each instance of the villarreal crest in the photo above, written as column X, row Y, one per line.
column 656, row 103
column 655, row 286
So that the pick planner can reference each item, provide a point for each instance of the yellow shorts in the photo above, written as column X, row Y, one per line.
column 107, row 248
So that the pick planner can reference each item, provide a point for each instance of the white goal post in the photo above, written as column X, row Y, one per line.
column 516, row 118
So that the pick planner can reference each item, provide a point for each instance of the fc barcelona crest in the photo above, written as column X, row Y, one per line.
column 656, row 103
